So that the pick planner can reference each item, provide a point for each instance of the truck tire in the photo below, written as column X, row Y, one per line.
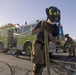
column 1, row 47
column 27, row 48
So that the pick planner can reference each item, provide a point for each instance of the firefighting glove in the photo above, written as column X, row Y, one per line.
column 44, row 26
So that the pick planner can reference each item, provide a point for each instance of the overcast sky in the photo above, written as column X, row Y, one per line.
column 19, row 11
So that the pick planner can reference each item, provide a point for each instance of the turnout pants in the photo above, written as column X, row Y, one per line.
column 38, row 69
column 38, row 57
column 72, row 50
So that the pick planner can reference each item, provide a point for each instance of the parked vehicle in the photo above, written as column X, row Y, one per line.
column 19, row 38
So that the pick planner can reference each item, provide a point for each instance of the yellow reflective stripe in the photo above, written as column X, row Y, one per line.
column 72, row 40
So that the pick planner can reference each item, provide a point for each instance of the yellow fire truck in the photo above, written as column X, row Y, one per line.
column 13, row 36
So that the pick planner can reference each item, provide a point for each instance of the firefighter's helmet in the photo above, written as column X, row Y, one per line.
column 66, row 35
column 53, row 13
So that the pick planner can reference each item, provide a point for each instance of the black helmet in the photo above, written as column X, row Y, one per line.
column 66, row 35
column 53, row 13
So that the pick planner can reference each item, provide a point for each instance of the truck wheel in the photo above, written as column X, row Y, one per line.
column 1, row 47
column 27, row 48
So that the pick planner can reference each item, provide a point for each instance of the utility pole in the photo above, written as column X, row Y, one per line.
column 47, row 52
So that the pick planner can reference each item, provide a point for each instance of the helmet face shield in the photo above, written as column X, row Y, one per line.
column 53, row 14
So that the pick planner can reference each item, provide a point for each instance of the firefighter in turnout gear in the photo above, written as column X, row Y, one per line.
column 71, row 44
column 38, row 53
